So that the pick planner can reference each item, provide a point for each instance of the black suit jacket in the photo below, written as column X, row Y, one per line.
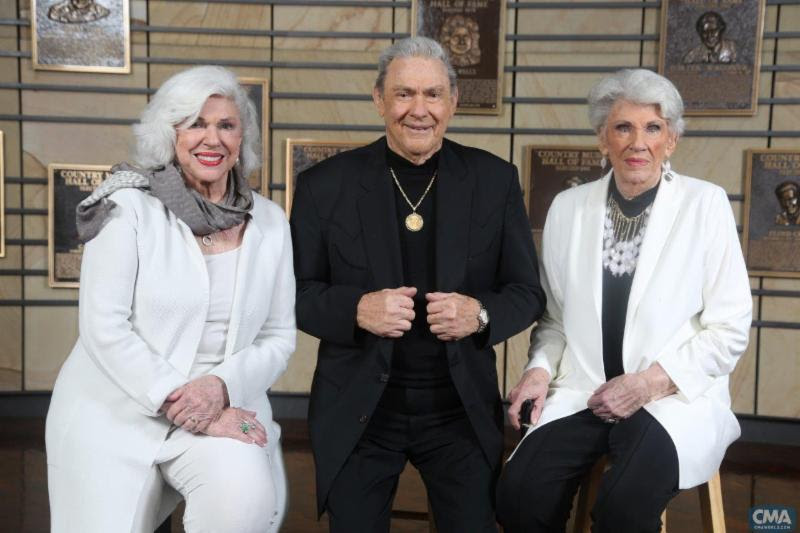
column 346, row 243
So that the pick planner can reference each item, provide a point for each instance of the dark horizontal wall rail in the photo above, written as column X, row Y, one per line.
column 400, row 4
column 343, row 97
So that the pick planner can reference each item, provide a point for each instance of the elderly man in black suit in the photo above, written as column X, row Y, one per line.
column 413, row 257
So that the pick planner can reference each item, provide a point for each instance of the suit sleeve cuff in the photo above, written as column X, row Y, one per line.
column 163, row 388
column 539, row 360
column 690, row 379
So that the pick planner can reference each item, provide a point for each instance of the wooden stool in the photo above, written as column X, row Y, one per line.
column 416, row 515
column 710, row 502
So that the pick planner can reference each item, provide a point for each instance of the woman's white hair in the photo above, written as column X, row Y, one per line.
column 638, row 86
column 177, row 104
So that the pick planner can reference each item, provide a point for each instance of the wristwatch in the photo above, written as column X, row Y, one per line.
column 483, row 318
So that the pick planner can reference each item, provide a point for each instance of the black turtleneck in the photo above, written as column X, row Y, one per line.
column 617, row 289
column 419, row 360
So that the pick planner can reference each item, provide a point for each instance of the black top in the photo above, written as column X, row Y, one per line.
column 419, row 360
column 617, row 289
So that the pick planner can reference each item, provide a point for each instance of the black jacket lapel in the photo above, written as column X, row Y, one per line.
column 378, row 216
column 453, row 211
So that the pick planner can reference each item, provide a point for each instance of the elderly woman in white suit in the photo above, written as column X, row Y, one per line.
column 186, row 319
column 648, row 310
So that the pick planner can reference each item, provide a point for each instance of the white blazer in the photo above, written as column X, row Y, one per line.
column 689, row 310
column 144, row 297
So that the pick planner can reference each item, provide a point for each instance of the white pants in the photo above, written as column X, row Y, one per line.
column 229, row 486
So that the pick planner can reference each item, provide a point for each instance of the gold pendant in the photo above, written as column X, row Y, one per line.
column 414, row 222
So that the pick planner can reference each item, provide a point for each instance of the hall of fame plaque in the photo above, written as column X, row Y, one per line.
column 552, row 169
column 67, row 186
column 772, row 213
column 711, row 51
column 81, row 35
column 258, row 91
column 304, row 153
column 472, row 32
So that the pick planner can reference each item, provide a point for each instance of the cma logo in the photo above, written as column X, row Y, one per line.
column 772, row 518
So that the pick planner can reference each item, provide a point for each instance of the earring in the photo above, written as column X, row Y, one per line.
column 603, row 162
column 666, row 170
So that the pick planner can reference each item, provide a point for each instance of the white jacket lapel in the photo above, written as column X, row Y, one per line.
column 248, row 258
column 660, row 223
column 592, row 224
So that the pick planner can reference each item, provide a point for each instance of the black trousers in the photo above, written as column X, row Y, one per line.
column 442, row 446
column 536, row 489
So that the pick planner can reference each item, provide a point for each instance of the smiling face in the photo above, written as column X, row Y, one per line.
column 207, row 149
column 416, row 104
column 636, row 139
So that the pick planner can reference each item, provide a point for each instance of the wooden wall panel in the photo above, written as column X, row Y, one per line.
column 44, row 354
column 30, row 145
column 779, row 373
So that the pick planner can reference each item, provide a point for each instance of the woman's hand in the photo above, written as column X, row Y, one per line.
column 233, row 422
column 533, row 386
column 197, row 404
column 623, row 395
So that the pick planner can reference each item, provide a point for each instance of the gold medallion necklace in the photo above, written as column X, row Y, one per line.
column 414, row 221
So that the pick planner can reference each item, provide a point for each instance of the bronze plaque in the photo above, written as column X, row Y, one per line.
column 258, row 91
column 552, row 169
column 772, row 213
column 472, row 32
column 303, row 153
column 67, row 186
column 2, row 200
column 81, row 35
column 711, row 51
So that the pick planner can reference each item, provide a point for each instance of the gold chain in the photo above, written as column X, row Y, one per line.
column 428, row 188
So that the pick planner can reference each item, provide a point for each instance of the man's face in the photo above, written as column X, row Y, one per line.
column 710, row 32
column 460, row 41
column 416, row 104
column 789, row 201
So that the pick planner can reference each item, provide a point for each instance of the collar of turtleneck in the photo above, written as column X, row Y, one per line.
column 401, row 165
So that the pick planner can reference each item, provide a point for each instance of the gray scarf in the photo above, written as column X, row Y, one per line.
column 202, row 216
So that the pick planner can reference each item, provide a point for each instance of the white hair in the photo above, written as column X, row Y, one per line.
column 638, row 86
column 416, row 46
column 177, row 104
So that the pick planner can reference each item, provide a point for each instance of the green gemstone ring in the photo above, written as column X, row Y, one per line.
column 245, row 427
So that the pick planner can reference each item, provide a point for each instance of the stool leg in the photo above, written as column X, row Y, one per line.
column 587, row 494
column 664, row 521
column 711, row 505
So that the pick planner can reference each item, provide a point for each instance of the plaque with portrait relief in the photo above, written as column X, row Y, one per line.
column 552, row 169
column 711, row 51
column 81, row 35
column 772, row 213
column 67, row 186
column 304, row 153
column 472, row 32
column 258, row 91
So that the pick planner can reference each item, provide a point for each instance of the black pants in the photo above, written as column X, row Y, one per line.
column 442, row 446
column 536, row 489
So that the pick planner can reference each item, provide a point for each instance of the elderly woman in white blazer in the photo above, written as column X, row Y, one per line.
column 186, row 319
column 648, row 311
